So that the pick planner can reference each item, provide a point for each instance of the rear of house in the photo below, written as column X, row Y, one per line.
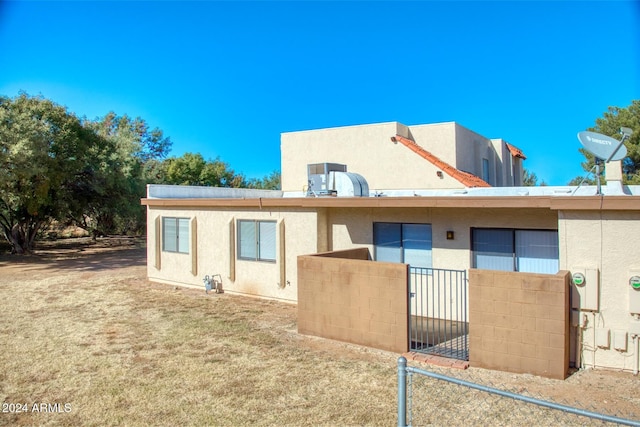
column 456, row 221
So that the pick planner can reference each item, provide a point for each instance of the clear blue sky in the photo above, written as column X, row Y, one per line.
column 226, row 78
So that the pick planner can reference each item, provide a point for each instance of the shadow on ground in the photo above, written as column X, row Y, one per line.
column 85, row 256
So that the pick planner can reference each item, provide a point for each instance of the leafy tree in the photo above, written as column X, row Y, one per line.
column 530, row 179
column 91, row 173
column 609, row 124
column 193, row 169
column 269, row 182
column 45, row 155
column 110, row 204
column 55, row 166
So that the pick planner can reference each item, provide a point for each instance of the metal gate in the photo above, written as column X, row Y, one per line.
column 438, row 312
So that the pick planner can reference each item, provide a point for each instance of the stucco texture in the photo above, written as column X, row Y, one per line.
column 216, row 251
column 604, row 241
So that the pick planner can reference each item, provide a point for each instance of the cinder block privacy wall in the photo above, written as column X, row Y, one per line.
column 345, row 296
column 519, row 322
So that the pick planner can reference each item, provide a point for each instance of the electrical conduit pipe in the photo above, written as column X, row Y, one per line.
column 636, row 339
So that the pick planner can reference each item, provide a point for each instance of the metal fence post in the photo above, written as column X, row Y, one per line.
column 402, row 391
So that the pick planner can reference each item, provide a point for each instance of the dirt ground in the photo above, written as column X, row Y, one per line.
column 75, row 263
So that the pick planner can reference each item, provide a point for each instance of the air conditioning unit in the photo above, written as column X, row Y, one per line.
column 332, row 179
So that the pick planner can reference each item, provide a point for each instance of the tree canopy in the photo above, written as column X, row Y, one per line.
column 269, row 182
column 609, row 124
column 91, row 173
column 109, row 203
column 193, row 169
column 530, row 179
column 45, row 153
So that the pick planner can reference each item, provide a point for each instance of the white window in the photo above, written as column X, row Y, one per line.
column 530, row 251
column 175, row 235
column 257, row 240
column 406, row 243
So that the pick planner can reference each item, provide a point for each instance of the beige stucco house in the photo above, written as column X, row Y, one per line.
column 392, row 156
column 255, row 239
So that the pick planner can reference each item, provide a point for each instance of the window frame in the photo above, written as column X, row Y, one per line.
column 180, row 247
column 401, row 239
column 258, row 248
column 515, row 264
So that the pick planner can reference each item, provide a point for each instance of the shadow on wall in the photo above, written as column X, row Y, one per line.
column 358, row 253
column 359, row 227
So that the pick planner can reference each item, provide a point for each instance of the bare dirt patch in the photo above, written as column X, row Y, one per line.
column 82, row 326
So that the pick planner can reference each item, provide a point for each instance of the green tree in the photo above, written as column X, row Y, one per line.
column 269, row 182
column 111, row 203
column 530, row 179
column 55, row 166
column 193, row 169
column 45, row 155
column 609, row 124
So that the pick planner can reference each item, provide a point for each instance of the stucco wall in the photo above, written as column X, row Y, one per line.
column 354, row 300
column 471, row 148
column 506, row 162
column 216, row 251
column 519, row 322
column 350, row 228
column 439, row 139
column 605, row 241
column 367, row 150
column 309, row 232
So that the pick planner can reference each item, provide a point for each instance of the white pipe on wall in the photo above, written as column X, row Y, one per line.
column 636, row 338
column 593, row 360
column 579, row 347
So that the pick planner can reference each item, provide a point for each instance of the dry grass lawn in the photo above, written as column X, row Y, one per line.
column 87, row 330
column 82, row 327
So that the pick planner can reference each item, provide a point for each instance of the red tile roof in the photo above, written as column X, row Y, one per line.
column 515, row 151
column 466, row 178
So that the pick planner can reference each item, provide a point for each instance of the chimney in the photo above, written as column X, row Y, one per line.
column 613, row 175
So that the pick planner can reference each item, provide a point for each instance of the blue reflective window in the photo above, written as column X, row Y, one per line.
column 530, row 251
column 406, row 243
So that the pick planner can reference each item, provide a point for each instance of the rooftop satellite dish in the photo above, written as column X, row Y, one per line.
column 602, row 146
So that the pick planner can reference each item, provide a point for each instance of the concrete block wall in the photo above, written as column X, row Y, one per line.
column 519, row 322
column 345, row 296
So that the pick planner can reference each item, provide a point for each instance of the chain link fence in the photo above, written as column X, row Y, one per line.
column 431, row 398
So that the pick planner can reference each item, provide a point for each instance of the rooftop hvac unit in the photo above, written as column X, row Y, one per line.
column 332, row 179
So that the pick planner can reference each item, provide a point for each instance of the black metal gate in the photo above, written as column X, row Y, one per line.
column 438, row 312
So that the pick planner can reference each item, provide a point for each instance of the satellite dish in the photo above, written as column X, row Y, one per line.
column 602, row 146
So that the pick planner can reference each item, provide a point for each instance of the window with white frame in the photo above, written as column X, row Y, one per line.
column 530, row 251
column 406, row 243
column 257, row 240
column 175, row 235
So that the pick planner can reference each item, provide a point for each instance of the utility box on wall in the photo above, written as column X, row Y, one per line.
column 634, row 291
column 585, row 289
